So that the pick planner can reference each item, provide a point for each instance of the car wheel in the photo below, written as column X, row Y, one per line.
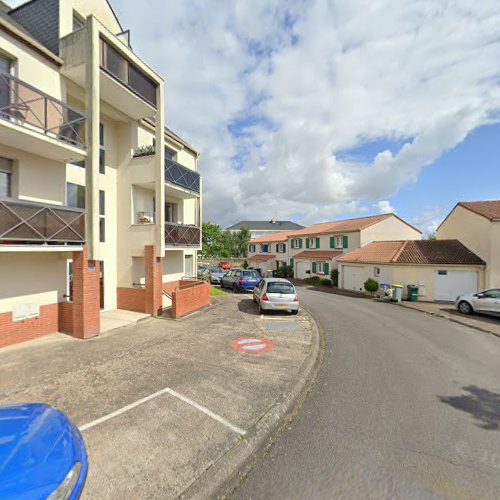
column 465, row 307
column 235, row 288
column 254, row 300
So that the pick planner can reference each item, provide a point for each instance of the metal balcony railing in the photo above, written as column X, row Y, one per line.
column 25, row 105
column 28, row 222
column 180, row 235
column 181, row 176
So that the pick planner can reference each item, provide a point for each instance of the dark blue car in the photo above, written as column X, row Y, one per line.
column 240, row 280
column 42, row 454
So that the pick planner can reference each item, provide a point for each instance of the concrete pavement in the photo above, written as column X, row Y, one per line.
column 406, row 406
column 169, row 408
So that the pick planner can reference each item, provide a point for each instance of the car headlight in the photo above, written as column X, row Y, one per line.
column 63, row 491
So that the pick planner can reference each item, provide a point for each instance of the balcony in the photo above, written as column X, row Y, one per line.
column 180, row 235
column 181, row 176
column 38, row 123
column 29, row 223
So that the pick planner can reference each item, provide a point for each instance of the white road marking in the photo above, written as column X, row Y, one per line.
column 173, row 393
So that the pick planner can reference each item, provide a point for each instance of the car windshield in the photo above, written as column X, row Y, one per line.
column 276, row 287
column 251, row 274
column 216, row 270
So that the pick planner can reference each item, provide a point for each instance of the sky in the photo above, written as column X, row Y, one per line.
column 314, row 110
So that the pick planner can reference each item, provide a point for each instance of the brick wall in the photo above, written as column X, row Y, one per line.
column 190, row 297
column 12, row 332
column 171, row 286
column 153, row 280
column 131, row 299
column 65, row 310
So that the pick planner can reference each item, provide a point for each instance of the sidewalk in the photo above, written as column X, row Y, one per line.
column 484, row 323
column 166, row 407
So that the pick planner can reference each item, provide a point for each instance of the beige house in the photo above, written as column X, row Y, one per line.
column 269, row 252
column 477, row 226
column 442, row 269
column 92, row 183
column 314, row 250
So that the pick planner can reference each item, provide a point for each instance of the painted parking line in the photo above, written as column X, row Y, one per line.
column 173, row 393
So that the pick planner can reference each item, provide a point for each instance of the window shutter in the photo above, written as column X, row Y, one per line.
column 284, row 247
column 300, row 243
column 326, row 268
column 291, row 263
column 277, row 248
column 314, row 267
column 293, row 243
column 317, row 242
column 307, row 242
column 345, row 241
column 332, row 241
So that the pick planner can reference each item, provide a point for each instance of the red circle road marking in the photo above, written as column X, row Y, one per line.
column 252, row 345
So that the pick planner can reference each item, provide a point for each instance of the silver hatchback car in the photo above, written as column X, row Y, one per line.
column 276, row 294
column 487, row 302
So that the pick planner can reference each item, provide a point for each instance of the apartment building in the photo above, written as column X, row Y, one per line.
column 100, row 203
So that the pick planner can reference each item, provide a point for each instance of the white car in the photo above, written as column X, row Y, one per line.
column 276, row 294
column 487, row 302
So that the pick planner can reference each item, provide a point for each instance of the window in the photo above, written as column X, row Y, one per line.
column 442, row 273
column 102, row 150
column 170, row 212
column 277, row 287
column 313, row 242
column 376, row 272
column 491, row 294
column 80, row 163
column 297, row 243
column 102, row 216
column 169, row 154
column 265, row 247
column 5, row 178
column 339, row 242
column 75, row 195
column 5, row 67
column 78, row 21
column 250, row 274
column 251, row 248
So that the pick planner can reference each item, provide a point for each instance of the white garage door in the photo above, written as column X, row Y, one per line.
column 302, row 267
column 450, row 284
column 353, row 277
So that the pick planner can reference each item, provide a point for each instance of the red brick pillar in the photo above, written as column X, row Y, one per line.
column 154, row 280
column 86, row 292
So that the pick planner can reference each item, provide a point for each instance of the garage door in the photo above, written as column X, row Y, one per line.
column 302, row 267
column 450, row 284
column 353, row 277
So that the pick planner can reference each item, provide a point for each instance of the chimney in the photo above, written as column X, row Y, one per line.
column 273, row 220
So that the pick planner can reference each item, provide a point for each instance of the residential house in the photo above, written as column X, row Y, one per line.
column 314, row 250
column 100, row 203
column 264, row 228
column 442, row 269
column 269, row 252
column 477, row 226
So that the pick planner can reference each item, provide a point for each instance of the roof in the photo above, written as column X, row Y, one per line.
column 272, row 237
column 348, row 225
column 489, row 209
column 318, row 254
column 423, row 252
column 261, row 257
column 263, row 225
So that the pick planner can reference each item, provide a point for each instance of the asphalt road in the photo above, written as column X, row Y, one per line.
column 406, row 406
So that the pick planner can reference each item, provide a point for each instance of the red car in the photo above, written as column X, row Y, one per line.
column 224, row 265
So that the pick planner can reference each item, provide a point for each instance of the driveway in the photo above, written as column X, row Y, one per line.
column 406, row 406
column 161, row 402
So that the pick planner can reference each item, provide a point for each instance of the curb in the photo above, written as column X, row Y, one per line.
column 227, row 473
column 453, row 320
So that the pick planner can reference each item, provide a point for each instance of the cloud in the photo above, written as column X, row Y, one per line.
column 384, row 207
column 272, row 93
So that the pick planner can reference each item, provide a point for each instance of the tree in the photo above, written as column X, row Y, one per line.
column 218, row 243
column 211, row 240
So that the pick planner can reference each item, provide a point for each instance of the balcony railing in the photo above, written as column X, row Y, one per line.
column 25, row 105
column 28, row 222
column 114, row 63
column 180, row 235
column 181, row 176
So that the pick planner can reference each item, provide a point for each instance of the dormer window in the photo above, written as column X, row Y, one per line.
column 78, row 21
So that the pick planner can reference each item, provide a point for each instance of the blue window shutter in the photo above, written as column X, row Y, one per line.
column 314, row 267
column 345, row 242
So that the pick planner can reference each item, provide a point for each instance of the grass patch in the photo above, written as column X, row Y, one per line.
column 217, row 291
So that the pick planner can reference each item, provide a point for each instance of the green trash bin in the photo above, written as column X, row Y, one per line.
column 412, row 293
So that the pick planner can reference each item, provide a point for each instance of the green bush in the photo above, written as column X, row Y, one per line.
column 371, row 285
column 245, row 265
column 325, row 282
column 284, row 272
column 313, row 280
column 334, row 275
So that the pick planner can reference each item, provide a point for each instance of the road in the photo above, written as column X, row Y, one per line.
column 406, row 406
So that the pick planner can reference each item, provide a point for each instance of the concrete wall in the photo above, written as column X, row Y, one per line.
column 479, row 235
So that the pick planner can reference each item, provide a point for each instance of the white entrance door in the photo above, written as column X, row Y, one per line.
column 302, row 267
column 353, row 278
column 450, row 284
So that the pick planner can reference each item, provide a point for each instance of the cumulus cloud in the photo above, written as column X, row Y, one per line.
column 272, row 93
column 384, row 207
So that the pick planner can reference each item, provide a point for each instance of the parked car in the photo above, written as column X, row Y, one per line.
column 42, row 454
column 201, row 269
column 215, row 274
column 276, row 294
column 240, row 279
column 224, row 265
column 487, row 302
